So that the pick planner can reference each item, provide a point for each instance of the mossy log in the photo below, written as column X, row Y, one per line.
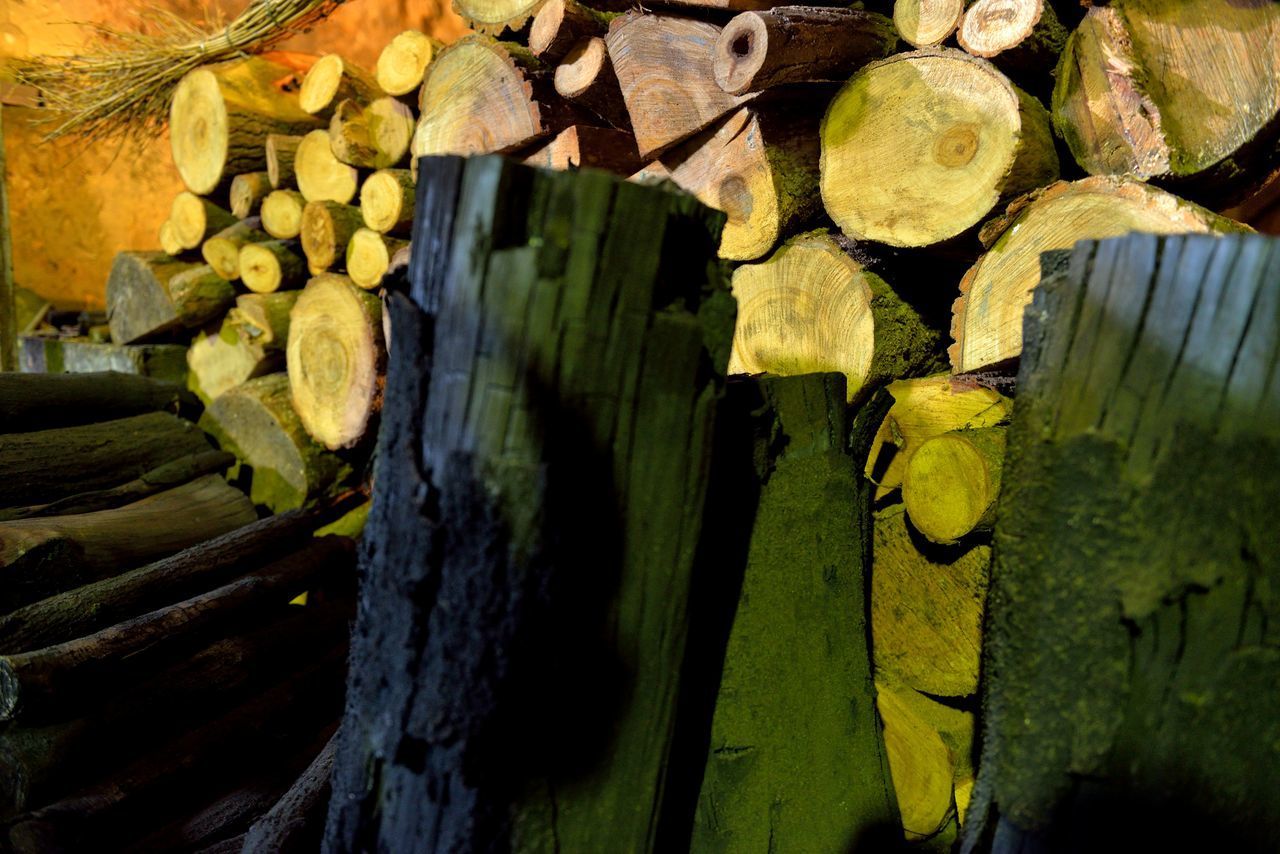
column 920, row 147
column 43, row 401
column 269, row 265
column 280, row 152
column 295, row 823
column 194, row 220
column 41, row 354
column 798, row 44
column 987, row 317
column 927, row 23
column 222, row 251
column 369, row 256
column 247, row 192
column 561, row 24
column 1020, row 36
column 327, row 228
column 403, row 62
column 258, row 423
column 321, row 176
column 220, row 117
column 1132, row 670
column 222, row 359
column 281, row 213
column 43, row 556
column 371, row 136
column 584, row 147
column 811, row 307
column 586, row 78
column 142, row 302
column 332, row 80
column 386, row 201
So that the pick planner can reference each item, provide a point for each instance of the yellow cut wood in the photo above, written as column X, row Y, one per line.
column 952, row 482
column 282, row 213
column 925, row 23
column 321, row 176
column 403, row 62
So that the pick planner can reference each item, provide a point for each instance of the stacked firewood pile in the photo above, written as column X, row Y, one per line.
column 162, row 679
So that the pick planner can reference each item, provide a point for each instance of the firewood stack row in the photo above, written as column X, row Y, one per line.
column 163, row 677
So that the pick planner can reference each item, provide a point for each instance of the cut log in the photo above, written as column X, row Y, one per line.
column 41, row 557
column 1136, row 80
column 926, row 608
column 247, row 192
column 375, row 136
column 919, row 148
column 336, row 356
column 282, row 213
column 32, row 683
column 922, row 409
column 810, row 307
column 927, row 23
column 327, row 228
column 221, row 359
column 269, row 265
column 1131, row 668
column 586, row 78
column 165, row 476
column 952, row 481
column 1022, row 36
column 222, row 251
column 42, row 401
column 332, row 80
column 264, row 318
column 798, row 44
column 922, row 765
column 321, row 176
column 142, row 305
column 42, row 354
column 482, row 95
column 664, row 67
column 369, row 257
column 257, row 422
column 987, row 317
column 795, row 758
column 221, row 115
column 211, row 563
column 758, row 166
column 386, row 201
column 280, row 152
column 494, row 16
column 404, row 61
column 46, row 465
column 169, row 240
column 585, row 147
column 195, row 219
column 571, row 326
column 295, row 824
column 561, row 24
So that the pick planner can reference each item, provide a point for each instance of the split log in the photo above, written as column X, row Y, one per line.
column 168, row 238
column 369, row 257
column 1136, row 80
column 202, row 567
column 41, row 557
column 42, row 401
column 545, row 433
column 797, row 658
column 332, row 80
column 264, row 318
column 220, row 117
column 280, row 152
column 1132, row 675
column 922, row 409
column 372, row 136
column 194, row 219
column 46, row 465
column 33, row 683
column 222, row 251
column 811, row 307
column 386, row 201
column 664, row 67
column 941, row 136
column 585, row 147
column 282, row 214
column 926, row 23
column 295, row 824
column 926, row 608
column 798, row 44
column 327, row 228
column 404, row 61
column 336, row 357
column 247, row 192
column 482, row 95
column 586, row 78
column 987, row 317
column 162, row 477
column 1021, row 36
column 221, row 359
column 42, row 354
column 759, row 166
column 952, row 481
column 322, row 177
column 561, row 24
column 269, row 265
column 143, row 302
column 258, row 423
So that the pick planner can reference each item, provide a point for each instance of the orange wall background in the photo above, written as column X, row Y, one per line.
column 72, row 206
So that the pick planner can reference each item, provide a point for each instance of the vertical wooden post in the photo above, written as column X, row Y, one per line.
column 8, row 306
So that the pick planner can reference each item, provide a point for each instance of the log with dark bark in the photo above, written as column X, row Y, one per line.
column 1131, row 656
column 577, row 473
column 581, row 146
column 43, row 401
column 295, row 824
column 560, row 24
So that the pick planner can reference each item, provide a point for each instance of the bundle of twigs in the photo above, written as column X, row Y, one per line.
column 123, row 87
